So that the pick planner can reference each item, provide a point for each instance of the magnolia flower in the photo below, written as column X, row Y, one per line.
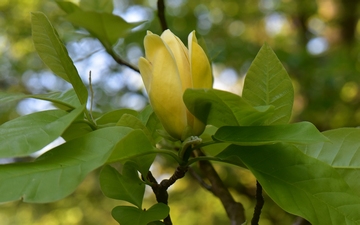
column 168, row 69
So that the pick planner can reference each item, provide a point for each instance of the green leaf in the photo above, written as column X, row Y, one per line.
column 342, row 153
column 68, row 7
column 128, row 120
column 58, row 172
column 145, row 114
column 152, row 123
column 297, row 133
column 221, row 108
column 77, row 129
column 300, row 184
column 127, row 215
column 112, row 117
column 135, row 147
column 351, row 176
column 227, row 156
column 67, row 98
column 54, row 54
column 97, row 5
column 267, row 83
column 108, row 28
column 6, row 98
column 27, row 134
column 212, row 149
column 126, row 186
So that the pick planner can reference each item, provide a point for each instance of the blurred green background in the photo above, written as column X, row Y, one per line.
column 317, row 41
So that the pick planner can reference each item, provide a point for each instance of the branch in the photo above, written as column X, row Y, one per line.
column 259, row 204
column 160, row 190
column 120, row 60
column 161, row 14
column 199, row 179
column 234, row 210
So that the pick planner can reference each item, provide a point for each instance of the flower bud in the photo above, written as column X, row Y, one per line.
column 167, row 70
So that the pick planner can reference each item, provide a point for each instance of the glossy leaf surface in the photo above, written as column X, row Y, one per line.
column 112, row 117
column 267, row 83
column 300, row 184
column 298, row 133
column 137, row 148
column 221, row 108
column 67, row 98
column 127, row 215
column 77, row 129
column 54, row 54
column 58, row 172
column 27, row 134
column 342, row 153
column 153, row 125
column 108, row 28
column 126, row 186
column 97, row 5
column 6, row 98
column 67, row 6
column 128, row 120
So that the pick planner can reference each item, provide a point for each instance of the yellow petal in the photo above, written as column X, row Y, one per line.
column 180, row 53
column 164, row 88
column 152, row 44
column 199, row 64
column 146, row 72
column 201, row 75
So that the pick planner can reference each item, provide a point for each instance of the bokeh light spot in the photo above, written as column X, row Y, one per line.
column 349, row 91
column 236, row 28
column 317, row 46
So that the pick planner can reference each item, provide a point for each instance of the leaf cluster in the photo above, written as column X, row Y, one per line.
column 306, row 172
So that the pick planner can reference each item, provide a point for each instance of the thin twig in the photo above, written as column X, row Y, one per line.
column 161, row 14
column 88, row 55
column 259, row 204
column 91, row 98
column 160, row 190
